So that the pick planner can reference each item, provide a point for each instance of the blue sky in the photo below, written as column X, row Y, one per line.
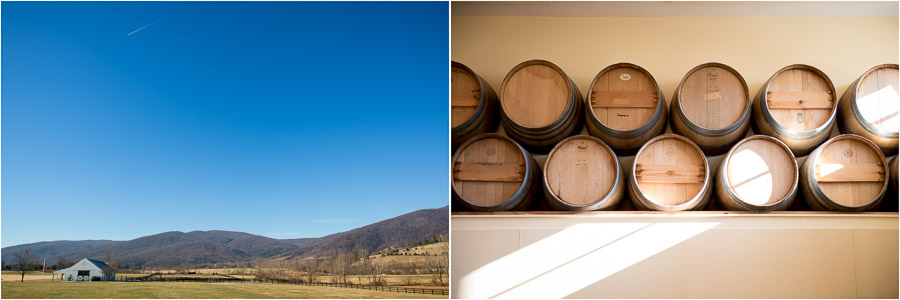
column 282, row 119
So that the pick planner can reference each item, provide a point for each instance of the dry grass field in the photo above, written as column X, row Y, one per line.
column 430, row 249
column 417, row 281
column 159, row 290
column 31, row 275
column 417, row 255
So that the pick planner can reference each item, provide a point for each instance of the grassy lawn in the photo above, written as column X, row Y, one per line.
column 159, row 290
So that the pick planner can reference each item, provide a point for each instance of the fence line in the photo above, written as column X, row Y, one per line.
column 423, row 291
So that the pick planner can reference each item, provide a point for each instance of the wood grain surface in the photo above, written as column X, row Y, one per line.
column 624, row 98
column 581, row 171
column 794, row 85
column 488, row 151
column 878, row 100
column 535, row 95
column 713, row 97
column 465, row 94
column 675, row 154
column 761, row 172
column 848, row 157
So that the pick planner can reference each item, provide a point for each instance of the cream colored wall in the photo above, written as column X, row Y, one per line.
column 843, row 48
column 674, row 256
column 750, row 256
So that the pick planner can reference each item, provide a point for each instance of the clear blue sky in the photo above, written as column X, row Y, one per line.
column 282, row 119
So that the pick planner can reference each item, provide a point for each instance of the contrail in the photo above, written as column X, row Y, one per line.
column 142, row 28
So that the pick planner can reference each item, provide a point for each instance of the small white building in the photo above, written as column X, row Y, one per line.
column 86, row 269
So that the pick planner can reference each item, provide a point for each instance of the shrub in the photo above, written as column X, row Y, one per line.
column 95, row 278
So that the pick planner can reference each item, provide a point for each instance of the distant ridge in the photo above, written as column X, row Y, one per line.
column 206, row 248
column 377, row 236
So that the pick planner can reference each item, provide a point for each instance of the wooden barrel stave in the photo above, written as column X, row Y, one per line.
column 713, row 143
column 595, row 163
column 812, row 126
column 865, row 194
column 760, row 156
column 495, row 194
column 484, row 119
column 626, row 139
column 537, row 129
column 672, row 163
column 851, row 119
column 541, row 142
column 721, row 99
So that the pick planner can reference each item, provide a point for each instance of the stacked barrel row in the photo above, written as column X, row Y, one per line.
column 542, row 112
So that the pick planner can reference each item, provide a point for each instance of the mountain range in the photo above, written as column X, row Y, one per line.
column 207, row 248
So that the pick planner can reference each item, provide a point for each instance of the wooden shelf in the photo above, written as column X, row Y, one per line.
column 695, row 213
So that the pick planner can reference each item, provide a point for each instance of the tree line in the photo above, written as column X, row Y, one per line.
column 339, row 267
column 26, row 260
column 344, row 265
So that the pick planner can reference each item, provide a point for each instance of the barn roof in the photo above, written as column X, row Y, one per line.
column 97, row 263
column 101, row 265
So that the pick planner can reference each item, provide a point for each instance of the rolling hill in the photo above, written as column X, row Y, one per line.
column 54, row 249
column 373, row 237
column 206, row 248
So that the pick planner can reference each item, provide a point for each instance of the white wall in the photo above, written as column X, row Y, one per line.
column 675, row 256
column 83, row 265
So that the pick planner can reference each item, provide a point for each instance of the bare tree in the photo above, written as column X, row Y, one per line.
column 374, row 268
column 181, row 269
column 112, row 265
column 24, row 260
column 62, row 263
column 444, row 256
column 439, row 264
column 341, row 264
column 316, row 267
column 257, row 267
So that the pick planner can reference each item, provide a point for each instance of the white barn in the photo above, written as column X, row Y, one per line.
column 86, row 269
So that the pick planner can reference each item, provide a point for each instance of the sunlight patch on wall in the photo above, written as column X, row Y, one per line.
column 574, row 258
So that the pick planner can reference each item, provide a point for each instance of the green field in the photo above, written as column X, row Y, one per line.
column 160, row 290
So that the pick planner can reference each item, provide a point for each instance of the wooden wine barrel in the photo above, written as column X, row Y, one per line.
column 582, row 173
column 711, row 106
column 846, row 173
column 473, row 105
column 797, row 106
column 540, row 105
column 626, row 107
column 491, row 172
column 670, row 173
column 871, row 108
column 758, row 174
